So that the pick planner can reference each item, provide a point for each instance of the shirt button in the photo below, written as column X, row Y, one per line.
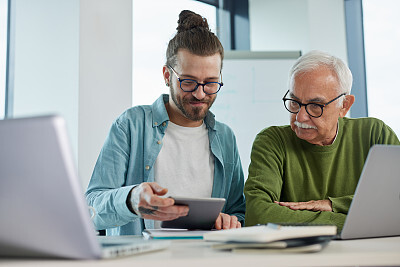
column 147, row 167
column 159, row 142
column 155, row 123
column 164, row 123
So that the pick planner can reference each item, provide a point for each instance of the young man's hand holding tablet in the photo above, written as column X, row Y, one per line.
column 147, row 201
column 204, row 213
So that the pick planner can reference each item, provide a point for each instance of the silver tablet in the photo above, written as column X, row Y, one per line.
column 202, row 213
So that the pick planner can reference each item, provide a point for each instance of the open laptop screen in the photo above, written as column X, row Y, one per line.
column 375, row 209
column 43, row 210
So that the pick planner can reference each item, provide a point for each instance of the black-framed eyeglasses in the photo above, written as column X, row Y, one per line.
column 189, row 85
column 313, row 109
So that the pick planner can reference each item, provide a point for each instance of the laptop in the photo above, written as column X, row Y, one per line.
column 375, row 209
column 42, row 206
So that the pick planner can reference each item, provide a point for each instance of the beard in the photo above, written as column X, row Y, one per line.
column 192, row 113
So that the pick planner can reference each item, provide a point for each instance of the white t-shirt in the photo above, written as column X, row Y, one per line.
column 185, row 164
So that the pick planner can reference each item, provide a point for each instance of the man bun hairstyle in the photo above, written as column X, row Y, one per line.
column 189, row 20
column 194, row 35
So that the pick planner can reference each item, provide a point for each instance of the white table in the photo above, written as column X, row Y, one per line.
column 192, row 253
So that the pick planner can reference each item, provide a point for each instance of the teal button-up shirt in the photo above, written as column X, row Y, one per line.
column 127, row 159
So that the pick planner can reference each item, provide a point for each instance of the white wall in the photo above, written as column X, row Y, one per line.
column 105, row 74
column 74, row 58
column 287, row 25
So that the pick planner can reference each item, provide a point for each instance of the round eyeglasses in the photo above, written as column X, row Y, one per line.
column 189, row 85
column 313, row 109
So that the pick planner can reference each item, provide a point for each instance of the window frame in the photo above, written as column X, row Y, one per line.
column 356, row 56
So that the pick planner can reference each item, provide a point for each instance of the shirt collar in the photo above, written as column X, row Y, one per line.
column 337, row 130
column 159, row 113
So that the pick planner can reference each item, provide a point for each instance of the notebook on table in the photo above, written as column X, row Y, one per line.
column 375, row 209
column 293, row 238
column 42, row 206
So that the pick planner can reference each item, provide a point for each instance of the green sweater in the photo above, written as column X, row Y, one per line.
column 286, row 168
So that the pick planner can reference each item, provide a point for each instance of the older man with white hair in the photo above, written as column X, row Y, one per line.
column 307, row 172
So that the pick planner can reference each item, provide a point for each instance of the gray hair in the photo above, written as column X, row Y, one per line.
column 316, row 59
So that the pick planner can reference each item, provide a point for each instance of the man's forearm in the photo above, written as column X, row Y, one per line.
column 259, row 212
column 111, row 208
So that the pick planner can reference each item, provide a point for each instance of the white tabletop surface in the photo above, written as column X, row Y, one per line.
column 192, row 253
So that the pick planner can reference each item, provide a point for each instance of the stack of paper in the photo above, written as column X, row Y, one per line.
column 304, row 238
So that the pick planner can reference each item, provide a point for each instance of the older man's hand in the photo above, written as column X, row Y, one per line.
column 314, row 205
column 225, row 221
